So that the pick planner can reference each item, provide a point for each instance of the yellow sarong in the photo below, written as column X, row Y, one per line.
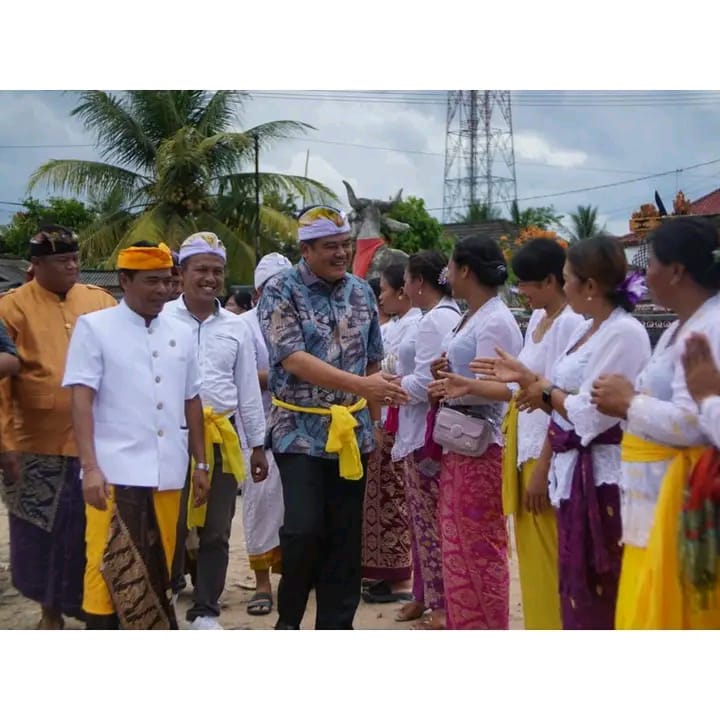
column 218, row 431
column 659, row 599
column 342, row 439
column 535, row 536
column 510, row 475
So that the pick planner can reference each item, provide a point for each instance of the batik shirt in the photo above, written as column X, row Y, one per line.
column 337, row 323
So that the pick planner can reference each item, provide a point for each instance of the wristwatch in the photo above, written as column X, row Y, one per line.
column 547, row 394
column 202, row 466
column 378, row 424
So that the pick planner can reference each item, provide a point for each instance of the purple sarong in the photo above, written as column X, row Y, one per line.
column 589, row 533
column 48, row 565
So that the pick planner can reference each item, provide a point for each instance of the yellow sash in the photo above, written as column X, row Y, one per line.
column 341, row 434
column 662, row 601
column 218, row 431
column 510, row 476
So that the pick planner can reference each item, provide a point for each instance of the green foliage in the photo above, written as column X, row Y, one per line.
column 584, row 224
column 15, row 236
column 542, row 217
column 479, row 213
column 173, row 164
column 426, row 232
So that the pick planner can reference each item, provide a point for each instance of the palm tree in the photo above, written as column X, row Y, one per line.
column 584, row 224
column 172, row 164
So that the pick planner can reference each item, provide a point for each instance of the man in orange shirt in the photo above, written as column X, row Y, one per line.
column 38, row 454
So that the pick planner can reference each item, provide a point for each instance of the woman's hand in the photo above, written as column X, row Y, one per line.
column 504, row 368
column 612, row 395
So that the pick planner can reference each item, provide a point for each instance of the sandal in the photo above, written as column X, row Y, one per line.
column 260, row 603
column 410, row 611
column 428, row 622
column 381, row 592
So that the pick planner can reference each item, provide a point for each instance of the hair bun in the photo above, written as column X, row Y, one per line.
column 502, row 274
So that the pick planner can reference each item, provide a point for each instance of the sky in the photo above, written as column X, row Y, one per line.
column 382, row 141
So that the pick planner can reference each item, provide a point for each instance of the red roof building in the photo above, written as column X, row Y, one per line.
column 706, row 205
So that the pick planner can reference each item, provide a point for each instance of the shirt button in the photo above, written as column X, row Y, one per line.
column 150, row 331
column 160, row 406
column 157, row 379
column 156, row 354
column 160, row 433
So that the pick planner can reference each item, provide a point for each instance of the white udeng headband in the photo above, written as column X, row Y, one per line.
column 321, row 228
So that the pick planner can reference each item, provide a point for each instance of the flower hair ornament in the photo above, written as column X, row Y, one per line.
column 716, row 256
column 443, row 276
column 633, row 287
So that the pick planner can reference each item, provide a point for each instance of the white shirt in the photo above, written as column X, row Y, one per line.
column 710, row 419
column 620, row 346
column 262, row 358
column 539, row 357
column 142, row 377
column 420, row 346
column 228, row 370
column 662, row 412
column 491, row 326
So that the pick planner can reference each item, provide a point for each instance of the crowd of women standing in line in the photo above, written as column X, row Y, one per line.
column 601, row 449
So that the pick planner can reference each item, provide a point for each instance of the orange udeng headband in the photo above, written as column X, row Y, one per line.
column 145, row 258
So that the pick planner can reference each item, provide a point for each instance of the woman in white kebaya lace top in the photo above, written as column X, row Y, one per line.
column 538, row 265
column 584, row 444
column 473, row 530
column 663, row 430
column 386, row 556
column 440, row 315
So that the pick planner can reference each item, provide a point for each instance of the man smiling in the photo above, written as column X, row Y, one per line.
column 229, row 385
column 321, row 328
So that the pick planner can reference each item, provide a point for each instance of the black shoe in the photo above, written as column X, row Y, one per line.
column 284, row 626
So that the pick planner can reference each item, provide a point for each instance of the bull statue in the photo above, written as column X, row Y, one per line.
column 368, row 219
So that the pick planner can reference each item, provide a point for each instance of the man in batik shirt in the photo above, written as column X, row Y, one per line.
column 321, row 328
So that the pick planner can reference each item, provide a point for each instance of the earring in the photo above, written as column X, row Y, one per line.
column 589, row 299
column 419, row 292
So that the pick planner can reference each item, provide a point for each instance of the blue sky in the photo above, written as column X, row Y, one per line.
column 562, row 140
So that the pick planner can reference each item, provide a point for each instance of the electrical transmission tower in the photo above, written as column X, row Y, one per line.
column 479, row 155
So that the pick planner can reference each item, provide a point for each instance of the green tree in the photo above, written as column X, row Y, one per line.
column 173, row 164
column 426, row 232
column 584, row 223
column 15, row 236
column 542, row 217
column 479, row 213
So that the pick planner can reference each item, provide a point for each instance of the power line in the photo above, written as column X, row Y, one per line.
column 404, row 151
column 605, row 185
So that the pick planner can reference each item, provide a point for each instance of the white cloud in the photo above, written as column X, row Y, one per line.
column 531, row 146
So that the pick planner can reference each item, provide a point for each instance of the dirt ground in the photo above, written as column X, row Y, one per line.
column 17, row 613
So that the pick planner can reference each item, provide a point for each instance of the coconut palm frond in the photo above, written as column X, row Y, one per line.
column 218, row 114
column 87, row 176
column 120, row 135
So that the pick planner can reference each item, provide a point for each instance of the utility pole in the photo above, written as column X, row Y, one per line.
column 257, row 200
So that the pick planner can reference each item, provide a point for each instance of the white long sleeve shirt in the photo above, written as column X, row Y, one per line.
column 228, row 369
column 539, row 357
column 710, row 419
column 491, row 326
column 142, row 376
column 619, row 346
column 420, row 346
column 663, row 412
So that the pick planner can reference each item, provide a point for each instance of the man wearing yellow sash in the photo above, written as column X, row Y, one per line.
column 664, row 438
column 230, row 385
column 321, row 328
column 135, row 407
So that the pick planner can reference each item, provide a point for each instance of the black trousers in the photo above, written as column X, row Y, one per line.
column 320, row 541
column 214, row 552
